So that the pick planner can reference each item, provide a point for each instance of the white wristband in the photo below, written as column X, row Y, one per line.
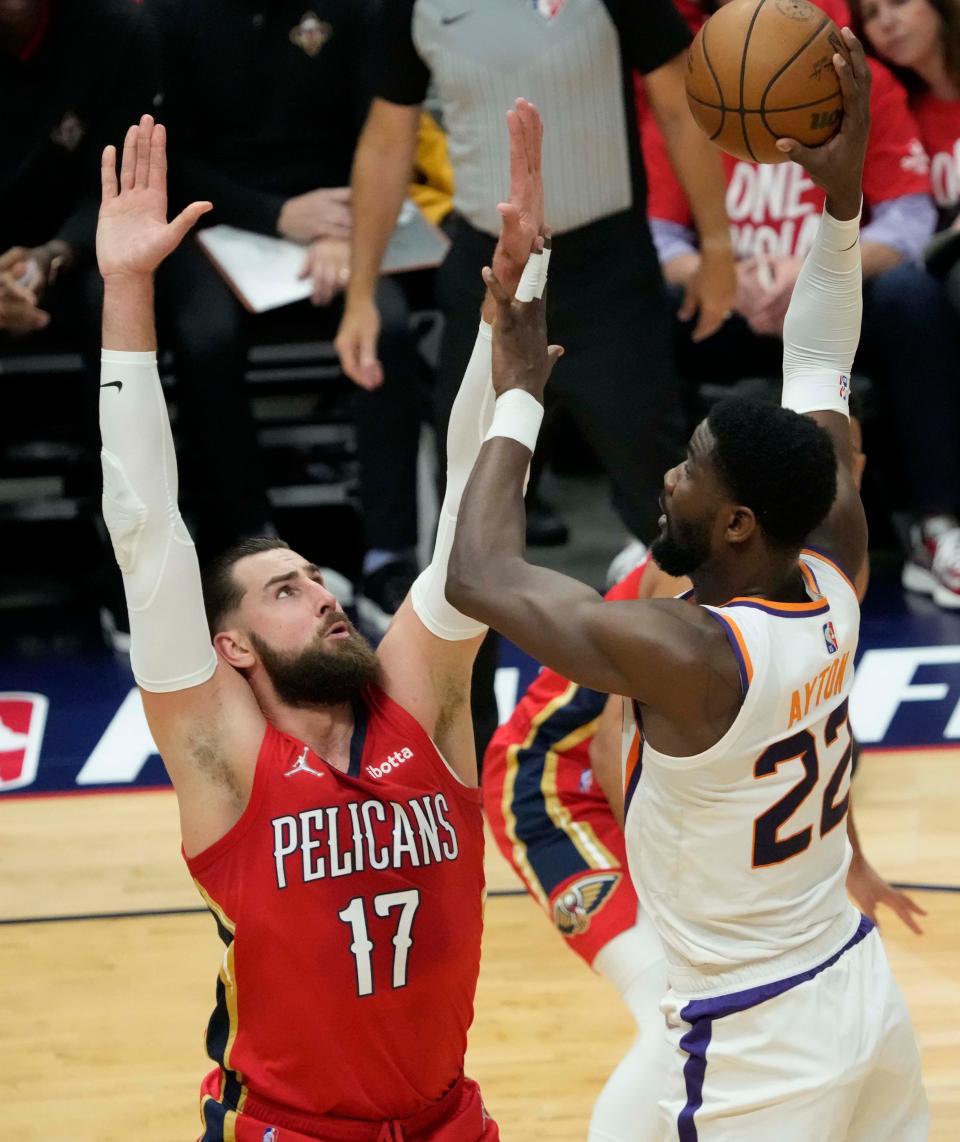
column 517, row 415
column 530, row 279
column 544, row 266
column 817, row 392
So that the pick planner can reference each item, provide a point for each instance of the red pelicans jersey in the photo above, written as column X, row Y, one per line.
column 350, row 905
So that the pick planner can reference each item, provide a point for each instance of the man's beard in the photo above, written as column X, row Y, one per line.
column 318, row 675
column 682, row 548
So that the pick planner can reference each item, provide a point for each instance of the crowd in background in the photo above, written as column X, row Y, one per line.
column 273, row 110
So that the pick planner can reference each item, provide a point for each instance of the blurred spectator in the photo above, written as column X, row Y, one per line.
column 920, row 40
column 264, row 103
column 773, row 211
column 607, row 304
column 72, row 77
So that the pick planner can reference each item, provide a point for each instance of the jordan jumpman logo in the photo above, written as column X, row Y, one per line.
column 301, row 766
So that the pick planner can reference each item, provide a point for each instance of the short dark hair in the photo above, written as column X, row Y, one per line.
column 221, row 591
column 776, row 462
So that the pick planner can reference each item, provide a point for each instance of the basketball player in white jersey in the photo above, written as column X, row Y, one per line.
column 782, row 1014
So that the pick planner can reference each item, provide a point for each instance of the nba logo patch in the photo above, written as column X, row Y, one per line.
column 830, row 638
column 22, row 720
column 844, row 387
column 271, row 1134
column 548, row 9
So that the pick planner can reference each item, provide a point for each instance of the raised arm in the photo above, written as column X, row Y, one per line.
column 428, row 652
column 822, row 327
column 203, row 716
column 670, row 656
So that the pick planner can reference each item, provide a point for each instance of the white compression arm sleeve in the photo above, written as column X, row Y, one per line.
column 470, row 417
column 170, row 645
column 822, row 326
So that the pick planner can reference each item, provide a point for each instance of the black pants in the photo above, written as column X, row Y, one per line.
column 607, row 307
column 910, row 348
column 210, row 333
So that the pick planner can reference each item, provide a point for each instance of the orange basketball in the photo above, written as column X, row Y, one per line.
column 760, row 71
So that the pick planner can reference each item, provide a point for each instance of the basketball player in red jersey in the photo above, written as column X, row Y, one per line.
column 328, row 803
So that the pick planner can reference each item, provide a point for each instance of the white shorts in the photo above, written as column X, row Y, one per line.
column 825, row 1056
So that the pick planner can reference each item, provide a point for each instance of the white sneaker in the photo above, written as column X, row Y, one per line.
column 624, row 561
column 933, row 564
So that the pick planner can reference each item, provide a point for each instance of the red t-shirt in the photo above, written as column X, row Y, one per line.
column 351, row 907
column 939, row 123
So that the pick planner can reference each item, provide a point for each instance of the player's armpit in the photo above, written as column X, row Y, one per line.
column 209, row 737
column 430, row 678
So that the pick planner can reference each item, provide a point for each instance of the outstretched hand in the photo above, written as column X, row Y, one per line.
column 837, row 165
column 521, row 216
column 133, row 235
column 522, row 359
column 869, row 889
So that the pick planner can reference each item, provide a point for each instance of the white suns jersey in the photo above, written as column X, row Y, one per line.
column 740, row 853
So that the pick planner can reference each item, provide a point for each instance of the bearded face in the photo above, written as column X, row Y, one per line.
column 682, row 546
column 327, row 672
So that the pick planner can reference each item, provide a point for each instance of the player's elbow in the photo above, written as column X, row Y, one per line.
column 462, row 588
column 471, row 580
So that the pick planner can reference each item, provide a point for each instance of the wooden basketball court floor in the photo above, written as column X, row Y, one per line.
column 107, row 969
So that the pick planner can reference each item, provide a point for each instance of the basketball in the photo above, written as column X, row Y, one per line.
column 758, row 72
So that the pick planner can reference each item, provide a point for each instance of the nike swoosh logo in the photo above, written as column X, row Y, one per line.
column 110, row 384
column 445, row 20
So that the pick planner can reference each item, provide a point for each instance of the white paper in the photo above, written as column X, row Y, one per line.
column 265, row 271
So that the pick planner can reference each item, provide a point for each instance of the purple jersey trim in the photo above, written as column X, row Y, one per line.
column 773, row 609
column 701, row 1013
column 828, row 558
column 738, row 653
column 638, row 769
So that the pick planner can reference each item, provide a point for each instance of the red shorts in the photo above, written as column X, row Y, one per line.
column 553, row 823
column 459, row 1116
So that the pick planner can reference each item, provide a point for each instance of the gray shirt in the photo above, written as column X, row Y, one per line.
column 575, row 64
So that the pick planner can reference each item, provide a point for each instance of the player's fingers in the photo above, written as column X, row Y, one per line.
column 141, row 174
column 798, row 152
column 554, row 353
column 187, row 218
column 108, row 173
column 128, row 164
column 499, row 294
column 517, row 156
column 157, row 179
column 858, row 59
column 900, row 903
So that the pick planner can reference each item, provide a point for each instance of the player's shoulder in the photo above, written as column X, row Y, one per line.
column 829, row 577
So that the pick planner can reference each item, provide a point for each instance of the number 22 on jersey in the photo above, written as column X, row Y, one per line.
column 769, row 846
